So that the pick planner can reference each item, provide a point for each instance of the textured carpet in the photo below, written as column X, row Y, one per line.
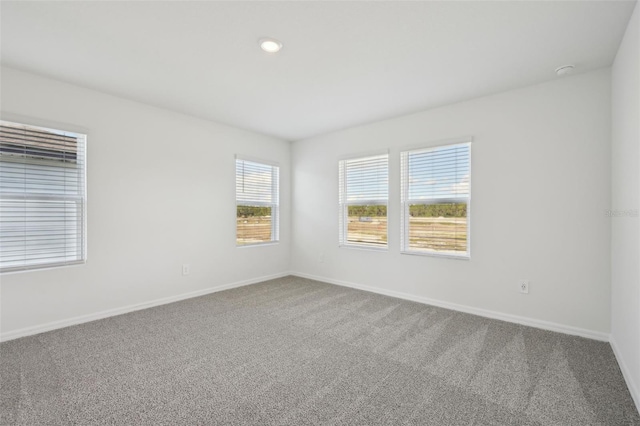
column 295, row 352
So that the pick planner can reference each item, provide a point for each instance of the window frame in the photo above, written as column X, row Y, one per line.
column 275, row 206
column 343, row 214
column 82, row 136
column 405, row 202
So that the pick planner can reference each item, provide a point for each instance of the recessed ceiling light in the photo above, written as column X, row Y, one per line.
column 270, row 45
column 564, row 70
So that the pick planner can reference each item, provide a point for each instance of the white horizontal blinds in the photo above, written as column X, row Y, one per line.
column 363, row 198
column 42, row 197
column 257, row 202
column 435, row 199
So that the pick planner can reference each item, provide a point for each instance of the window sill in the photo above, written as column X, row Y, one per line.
column 441, row 255
column 46, row 267
column 365, row 248
column 268, row 243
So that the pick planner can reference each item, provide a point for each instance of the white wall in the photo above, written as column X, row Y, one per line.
column 625, row 247
column 540, row 187
column 160, row 193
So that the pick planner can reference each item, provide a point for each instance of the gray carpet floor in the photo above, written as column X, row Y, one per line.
column 293, row 351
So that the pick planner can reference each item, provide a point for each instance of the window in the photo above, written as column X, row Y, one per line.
column 436, row 200
column 42, row 197
column 257, row 202
column 364, row 194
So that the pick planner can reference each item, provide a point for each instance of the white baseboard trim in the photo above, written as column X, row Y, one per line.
column 546, row 325
column 53, row 325
column 532, row 322
column 633, row 387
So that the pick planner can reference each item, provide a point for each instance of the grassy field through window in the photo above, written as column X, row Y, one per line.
column 438, row 227
column 253, row 225
column 367, row 225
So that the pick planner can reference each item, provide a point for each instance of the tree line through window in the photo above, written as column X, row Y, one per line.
column 435, row 200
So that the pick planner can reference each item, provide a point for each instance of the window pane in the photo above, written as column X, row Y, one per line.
column 367, row 224
column 36, row 233
column 442, row 172
column 253, row 224
column 254, row 182
column 366, row 179
column 29, row 142
column 440, row 228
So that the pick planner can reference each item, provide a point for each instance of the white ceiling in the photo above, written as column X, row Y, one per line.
column 343, row 63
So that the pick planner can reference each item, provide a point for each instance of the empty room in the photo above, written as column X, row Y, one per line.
column 320, row 213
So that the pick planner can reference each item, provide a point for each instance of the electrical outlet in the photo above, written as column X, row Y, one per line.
column 186, row 269
column 523, row 285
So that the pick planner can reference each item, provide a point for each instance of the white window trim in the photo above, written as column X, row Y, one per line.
column 343, row 219
column 405, row 201
column 275, row 207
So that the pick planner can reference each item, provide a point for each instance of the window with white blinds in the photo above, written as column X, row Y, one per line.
column 42, row 197
column 363, row 199
column 435, row 194
column 257, row 202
